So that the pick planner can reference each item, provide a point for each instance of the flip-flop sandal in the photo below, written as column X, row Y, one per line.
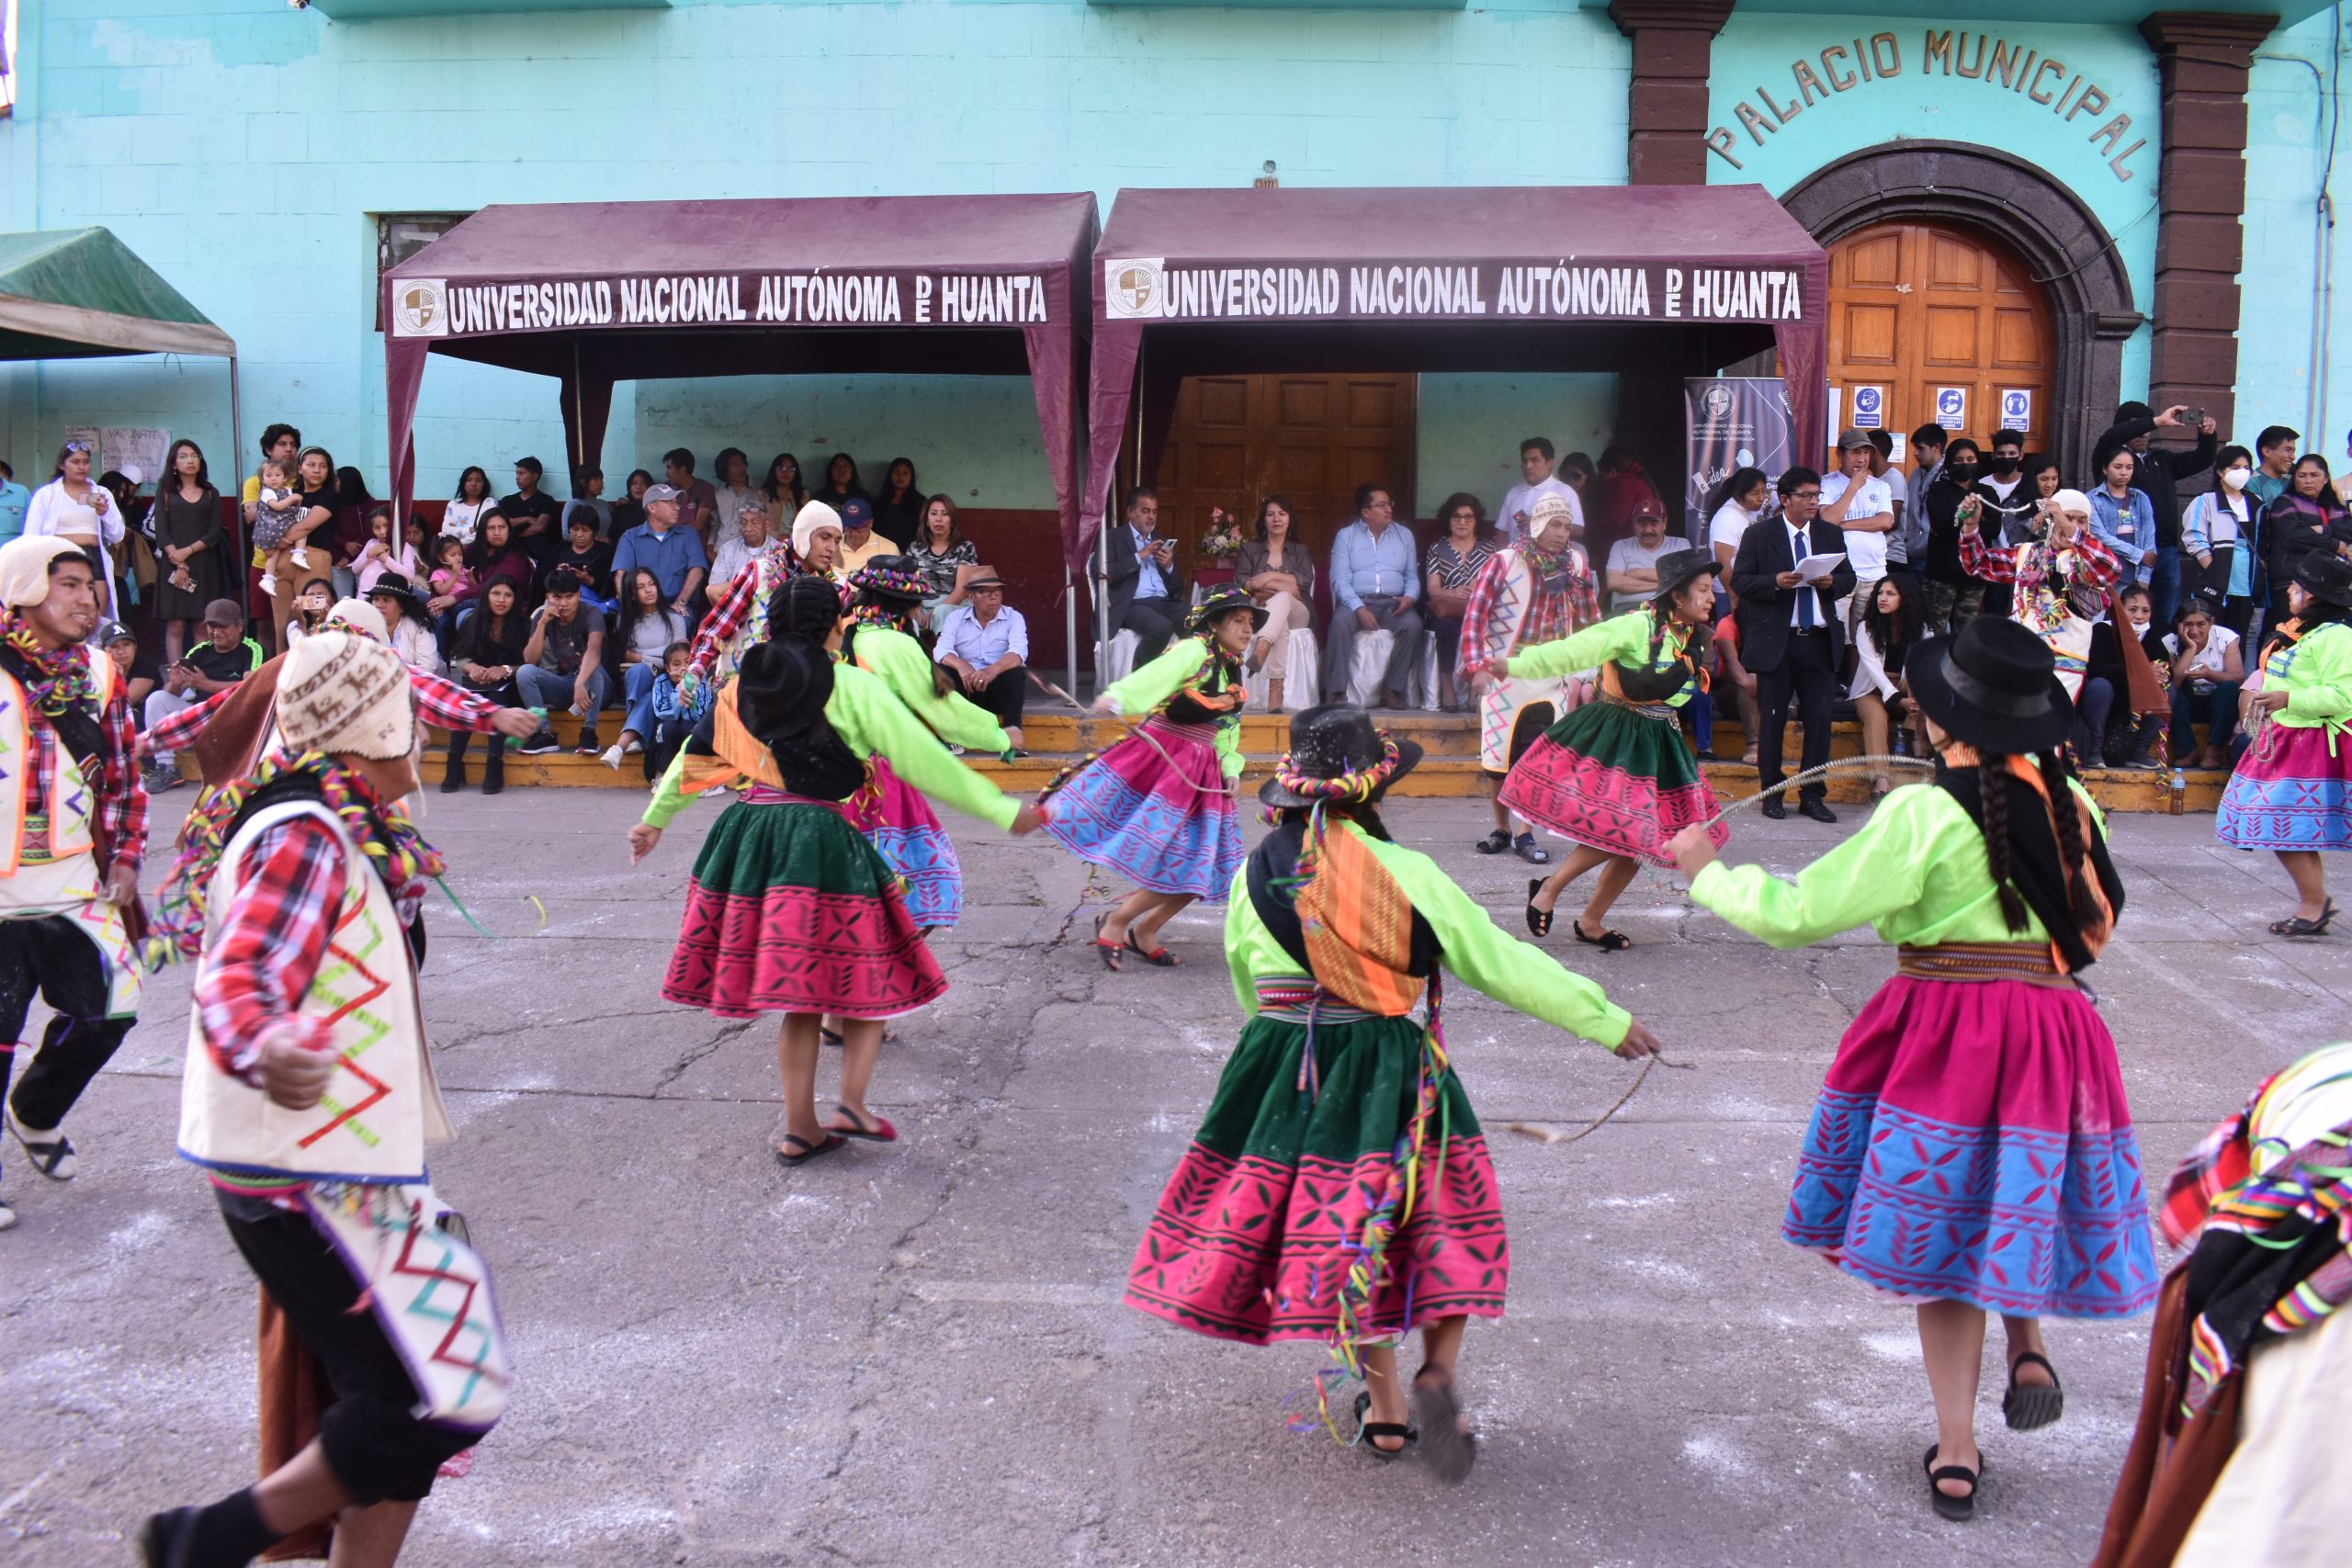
column 883, row 1131
column 1158, row 957
column 1367, row 1431
column 1947, row 1505
column 1108, row 952
column 1608, row 940
column 51, row 1155
column 1451, row 1451
column 1494, row 843
column 2031, row 1405
column 807, row 1151
column 1538, row 920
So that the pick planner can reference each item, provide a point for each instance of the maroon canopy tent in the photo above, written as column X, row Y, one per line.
column 1669, row 279
column 599, row 292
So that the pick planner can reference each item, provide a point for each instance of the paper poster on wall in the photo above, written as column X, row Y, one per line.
column 86, row 437
column 2017, row 409
column 1837, row 404
column 1951, row 407
column 135, row 449
column 1901, row 453
column 1870, row 407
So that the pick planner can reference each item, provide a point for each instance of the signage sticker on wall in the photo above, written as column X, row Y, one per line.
column 2017, row 409
column 1836, row 400
column 1951, row 407
column 1870, row 407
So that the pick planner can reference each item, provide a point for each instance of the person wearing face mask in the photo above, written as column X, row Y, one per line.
column 2222, row 534
column 1955, row 500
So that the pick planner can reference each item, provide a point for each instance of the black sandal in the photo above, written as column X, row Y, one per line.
column 1108, row 952
column 1608, row 940
column 1947, row 1505
column 2031, row 1405
column 1367, row 1431
column 1158, row 957
column 1494, row 842
column 51, row 1155
column 1538, row 920
column 807, row 1150
column 1530, row 851
column 2293, row 926
column 1451, row 1451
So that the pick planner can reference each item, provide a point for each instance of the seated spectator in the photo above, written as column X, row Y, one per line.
column 697, row 498
column 1620, row 485
column 311, row 607
column 588, row 495
column 1374, row 588
column 2106, row 731
column 782, row 493
column 2204, row 664
column 840, row 486
column 489, row 651
column 584, row 553
column 563, row 664
column 630, row 510
column 734, row 558
column 1279, row 575
column 1577, row 473
column 642, row 632
column 532, row 513
column 898, row 510
column 1732, row 676
column 135, row 671
column 986, row 644
column 226, row 657
column 1632, row 566
column 1449, row 569
column 947, row 561
column 1893, row 623
column 1142, row 587
column 498, row 553
column 675, row 716
column 462, row 519
column 666, row 546
column 408, row 625
column 386, row 549
column 730, row 494
column 860, row 540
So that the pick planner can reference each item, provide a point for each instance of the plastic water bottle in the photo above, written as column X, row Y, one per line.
column 514, row 742
column 2179, row 792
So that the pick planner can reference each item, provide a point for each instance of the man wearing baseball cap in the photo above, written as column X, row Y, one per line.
column 224, row 659
column 1859, row 502
column 860, row 543
column 674, row 554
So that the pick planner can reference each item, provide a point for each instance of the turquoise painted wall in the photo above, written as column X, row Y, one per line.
column 1470, row 428
column 2282, row 317
column 1928, row 98
column 241, row 148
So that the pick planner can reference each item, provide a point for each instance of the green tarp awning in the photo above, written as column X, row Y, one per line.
column 80, row 293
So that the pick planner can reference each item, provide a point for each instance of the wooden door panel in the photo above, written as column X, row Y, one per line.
column 1302, row 403
column 1220, row 400
column 1914, row 308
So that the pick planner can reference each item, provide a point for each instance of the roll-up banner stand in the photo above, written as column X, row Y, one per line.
column 1732, row 423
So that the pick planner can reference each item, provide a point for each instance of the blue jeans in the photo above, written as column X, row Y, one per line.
column 637, row 697
column 546, row 688
column 2218, row 707
column 2164, row 582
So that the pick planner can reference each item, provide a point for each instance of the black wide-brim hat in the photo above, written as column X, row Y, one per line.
column 778, row 689
column 1679, row 566
column 395, row 585
column 1221, row 604
column 894, row 578
column 2325, row 576
column 1995, row 686
column 1332, row 740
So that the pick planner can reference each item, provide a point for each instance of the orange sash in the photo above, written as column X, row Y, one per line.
column 1359, row 925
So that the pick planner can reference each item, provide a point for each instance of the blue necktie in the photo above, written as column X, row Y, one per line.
column 1806, row 609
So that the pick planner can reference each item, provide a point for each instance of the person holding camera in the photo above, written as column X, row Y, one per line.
column 2157, row 473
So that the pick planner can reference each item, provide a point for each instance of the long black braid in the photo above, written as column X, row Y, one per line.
column 1993, row 786
column 2082, row 895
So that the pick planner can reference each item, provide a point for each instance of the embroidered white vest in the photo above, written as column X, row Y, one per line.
column 38, row 832
column 381, row 1107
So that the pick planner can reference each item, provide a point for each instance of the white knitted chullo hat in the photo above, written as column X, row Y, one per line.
column 346, row 695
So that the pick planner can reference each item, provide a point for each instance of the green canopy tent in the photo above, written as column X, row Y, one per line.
column 83, row 294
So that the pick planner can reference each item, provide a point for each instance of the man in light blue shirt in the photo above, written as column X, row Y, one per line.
column 1373, row 589
column 14, row 499
column 674, row 554
column 986, row 646
column 1143, row 590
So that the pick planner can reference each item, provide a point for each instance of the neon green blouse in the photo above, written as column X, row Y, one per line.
column 1915, row 873
column 1148, row 689
column 2316, row 675
column 903, row 666
column 1621, row 639
column 1471, row 945
column 871, row 722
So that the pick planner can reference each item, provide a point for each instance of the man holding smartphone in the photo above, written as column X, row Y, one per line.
column 226, row 657
column 1145, row 590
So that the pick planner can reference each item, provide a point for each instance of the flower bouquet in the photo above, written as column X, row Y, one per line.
column 1223, row 541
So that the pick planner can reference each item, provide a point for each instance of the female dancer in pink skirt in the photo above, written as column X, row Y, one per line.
column 1157, row 805
column 1972, row 1151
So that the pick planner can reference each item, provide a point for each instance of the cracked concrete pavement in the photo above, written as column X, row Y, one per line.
column 917, row 1352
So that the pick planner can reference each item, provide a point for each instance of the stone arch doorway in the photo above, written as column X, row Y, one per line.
column 2067, row 254
column 1926, row 314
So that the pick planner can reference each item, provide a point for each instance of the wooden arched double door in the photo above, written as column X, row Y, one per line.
column 1930, row 316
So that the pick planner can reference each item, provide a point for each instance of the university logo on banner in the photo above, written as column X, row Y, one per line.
column 1951, row 407
column 1134, row 288
column 421, row 308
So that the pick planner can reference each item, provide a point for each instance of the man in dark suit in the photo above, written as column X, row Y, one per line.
column 1145, row 589
column 1789, row 635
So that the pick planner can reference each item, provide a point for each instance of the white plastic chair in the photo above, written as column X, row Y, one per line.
column 1301, row 673
column 1118, row 663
